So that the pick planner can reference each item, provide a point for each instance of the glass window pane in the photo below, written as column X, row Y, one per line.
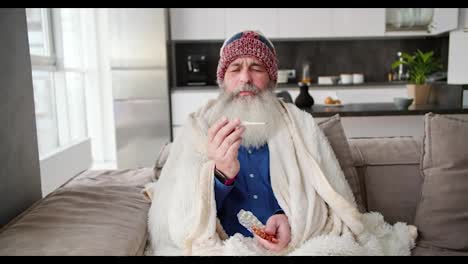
column 46, row 117
column 71, row 38
column 76, row 105
column 37, row 31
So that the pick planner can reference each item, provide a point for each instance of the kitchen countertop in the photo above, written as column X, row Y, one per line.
column 381, row 109
column 360, row 85
column 315, row 86
column 295, row 85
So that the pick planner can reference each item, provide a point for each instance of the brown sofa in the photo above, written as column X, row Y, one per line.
column 102, row 213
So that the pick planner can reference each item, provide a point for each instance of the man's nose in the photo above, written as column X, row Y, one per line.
column 244, row 76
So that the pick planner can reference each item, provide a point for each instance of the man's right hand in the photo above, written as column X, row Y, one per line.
column 224, row 139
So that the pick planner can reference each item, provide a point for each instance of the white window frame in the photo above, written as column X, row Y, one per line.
column 46, row 62
column 70, row 157
column 63, row 101
column 97, row 80
column 59, row 80
column 53, row 62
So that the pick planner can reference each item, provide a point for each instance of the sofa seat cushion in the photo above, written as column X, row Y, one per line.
column 123, row 177
column 105, row 218
column 442, row 213
column 389, row 170
column 434, row 251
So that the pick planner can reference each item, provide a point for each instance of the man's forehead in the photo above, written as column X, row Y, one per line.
column 247, row 61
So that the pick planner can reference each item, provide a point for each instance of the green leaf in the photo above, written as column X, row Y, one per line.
column 420, row 65
column 395, row 64
column 407, row 57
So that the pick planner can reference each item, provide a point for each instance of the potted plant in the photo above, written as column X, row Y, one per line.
column 420, row 65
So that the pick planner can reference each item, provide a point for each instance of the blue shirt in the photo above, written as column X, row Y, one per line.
column 251, row 191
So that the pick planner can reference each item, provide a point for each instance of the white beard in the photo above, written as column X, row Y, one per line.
column 261, row 107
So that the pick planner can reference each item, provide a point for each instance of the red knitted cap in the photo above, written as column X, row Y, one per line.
column 248, row 43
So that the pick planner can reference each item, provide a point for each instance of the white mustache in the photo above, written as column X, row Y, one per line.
column 246, row 88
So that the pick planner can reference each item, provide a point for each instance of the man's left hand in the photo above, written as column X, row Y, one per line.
column 277, row 225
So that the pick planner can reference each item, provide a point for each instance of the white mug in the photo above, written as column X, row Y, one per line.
column 346, row 78
column 358, row 78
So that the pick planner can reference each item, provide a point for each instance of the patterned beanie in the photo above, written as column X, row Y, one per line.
column 248, row 43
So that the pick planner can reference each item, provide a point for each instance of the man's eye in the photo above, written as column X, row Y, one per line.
column 258, row 68
column 234, row 70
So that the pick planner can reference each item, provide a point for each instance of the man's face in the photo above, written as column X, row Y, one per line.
column 244, row 71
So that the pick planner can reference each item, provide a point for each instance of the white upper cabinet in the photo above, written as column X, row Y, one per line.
column 420, row 21
column 197, row 23
column 458, row 51
column 285, row 23
column 358, row 22
column 464, row 12
column 445, row 19
column 457, row 61
column 305, row 22
column 263, row 19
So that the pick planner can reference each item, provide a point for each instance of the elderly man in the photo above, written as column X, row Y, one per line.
column 249, row 151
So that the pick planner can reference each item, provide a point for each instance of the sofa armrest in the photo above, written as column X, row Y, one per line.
column 82, row 218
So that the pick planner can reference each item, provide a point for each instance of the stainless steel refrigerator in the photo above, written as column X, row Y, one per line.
column 139, row 84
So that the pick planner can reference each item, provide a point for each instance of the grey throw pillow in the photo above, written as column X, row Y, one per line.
column 442, row 213
column 333, row 130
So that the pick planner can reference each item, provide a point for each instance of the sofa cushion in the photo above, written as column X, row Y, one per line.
column 420, row 250
column 389, row 170
column 333, row 130
column 81, row 219
column 442, row 213
column 124, row 177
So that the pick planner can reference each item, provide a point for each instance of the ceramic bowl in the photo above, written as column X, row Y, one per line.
column 402, row 102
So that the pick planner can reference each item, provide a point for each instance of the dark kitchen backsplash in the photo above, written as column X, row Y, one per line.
column 326, row 57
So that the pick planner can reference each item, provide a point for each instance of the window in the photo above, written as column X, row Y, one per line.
column 46, row 116
column 58, row 69
column 39, row 31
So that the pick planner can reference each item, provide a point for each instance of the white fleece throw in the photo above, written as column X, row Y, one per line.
column 308, row 184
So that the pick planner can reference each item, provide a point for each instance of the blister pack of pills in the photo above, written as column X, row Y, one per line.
column 251, row 222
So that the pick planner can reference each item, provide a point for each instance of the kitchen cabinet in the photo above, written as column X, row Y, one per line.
column 458, row 52
column 358, row 22
column 304, row 22
column 197, row 23
column 330, row 22
column 443, row 20
column 185, row 102
column 457, row 63
column 374, row 95
column 263, row 19
column 464, row 12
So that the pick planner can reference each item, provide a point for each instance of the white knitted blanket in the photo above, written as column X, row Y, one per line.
column 308, row 184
